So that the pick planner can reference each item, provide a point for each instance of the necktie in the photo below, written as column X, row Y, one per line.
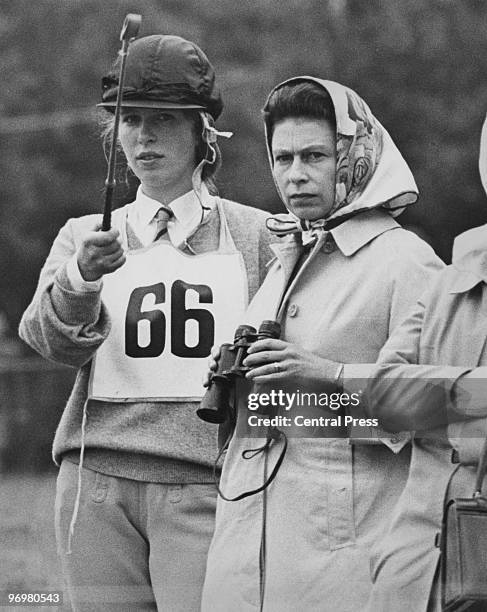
column 162, row 217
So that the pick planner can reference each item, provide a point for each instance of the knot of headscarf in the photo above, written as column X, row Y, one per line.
column 283, row 225
column 370, row 170
column 309, row 231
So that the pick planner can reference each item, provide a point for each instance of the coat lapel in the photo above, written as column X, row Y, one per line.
column 474, row 326
column 288, row 255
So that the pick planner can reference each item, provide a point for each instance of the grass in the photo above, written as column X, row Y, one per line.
column 28, row 559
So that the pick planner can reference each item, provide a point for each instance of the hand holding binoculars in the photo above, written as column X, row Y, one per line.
column 215, row 405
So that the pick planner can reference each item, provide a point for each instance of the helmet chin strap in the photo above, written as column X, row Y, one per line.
column 209, row 135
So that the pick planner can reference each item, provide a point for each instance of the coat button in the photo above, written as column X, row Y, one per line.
column 292, row 310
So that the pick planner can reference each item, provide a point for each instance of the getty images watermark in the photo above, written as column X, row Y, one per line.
column 272, row 403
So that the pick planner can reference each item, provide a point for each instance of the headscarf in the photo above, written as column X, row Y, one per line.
column 469, row 249
column 370, row 170
column 483, row 156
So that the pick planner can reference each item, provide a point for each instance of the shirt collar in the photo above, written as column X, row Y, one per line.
column 353, row 234
column 184, row 207
column 469, row 259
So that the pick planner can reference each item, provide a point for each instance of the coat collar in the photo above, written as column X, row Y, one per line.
column 358, row 231
column 350, row 237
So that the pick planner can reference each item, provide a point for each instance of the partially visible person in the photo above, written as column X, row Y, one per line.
column 136, row 309
column 432, row 377
column 344, row 279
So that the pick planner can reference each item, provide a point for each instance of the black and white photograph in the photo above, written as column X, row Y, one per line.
column 243, row 306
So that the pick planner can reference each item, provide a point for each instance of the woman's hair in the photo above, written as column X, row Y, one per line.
column 298, row 99
column 202, row 150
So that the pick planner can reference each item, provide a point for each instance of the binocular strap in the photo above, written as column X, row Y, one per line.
column 274, row 435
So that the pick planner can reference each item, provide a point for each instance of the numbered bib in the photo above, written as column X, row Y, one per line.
column 167, row 310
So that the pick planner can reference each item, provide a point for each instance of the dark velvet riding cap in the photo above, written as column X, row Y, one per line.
column 164, row 72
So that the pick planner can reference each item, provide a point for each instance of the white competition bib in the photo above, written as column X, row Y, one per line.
column 167, row 310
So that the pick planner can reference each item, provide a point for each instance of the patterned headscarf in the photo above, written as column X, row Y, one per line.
column 370, row 170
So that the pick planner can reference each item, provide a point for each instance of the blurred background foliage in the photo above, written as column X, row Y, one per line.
column 419, row 64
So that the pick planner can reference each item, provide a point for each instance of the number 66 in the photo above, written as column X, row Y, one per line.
column 179, row 315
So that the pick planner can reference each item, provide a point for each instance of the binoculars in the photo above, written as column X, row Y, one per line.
column 215, row 405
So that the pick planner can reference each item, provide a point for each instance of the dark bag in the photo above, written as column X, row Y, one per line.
column 463, row 546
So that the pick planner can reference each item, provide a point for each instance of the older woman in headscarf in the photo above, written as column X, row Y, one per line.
column 431, row 375
column 296, row 525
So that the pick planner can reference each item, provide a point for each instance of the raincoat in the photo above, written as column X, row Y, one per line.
column 304, row 543
column 444, row 338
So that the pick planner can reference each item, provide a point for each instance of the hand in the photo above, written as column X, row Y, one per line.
column 100, row 253
column 294, row 365
column 212, row 365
